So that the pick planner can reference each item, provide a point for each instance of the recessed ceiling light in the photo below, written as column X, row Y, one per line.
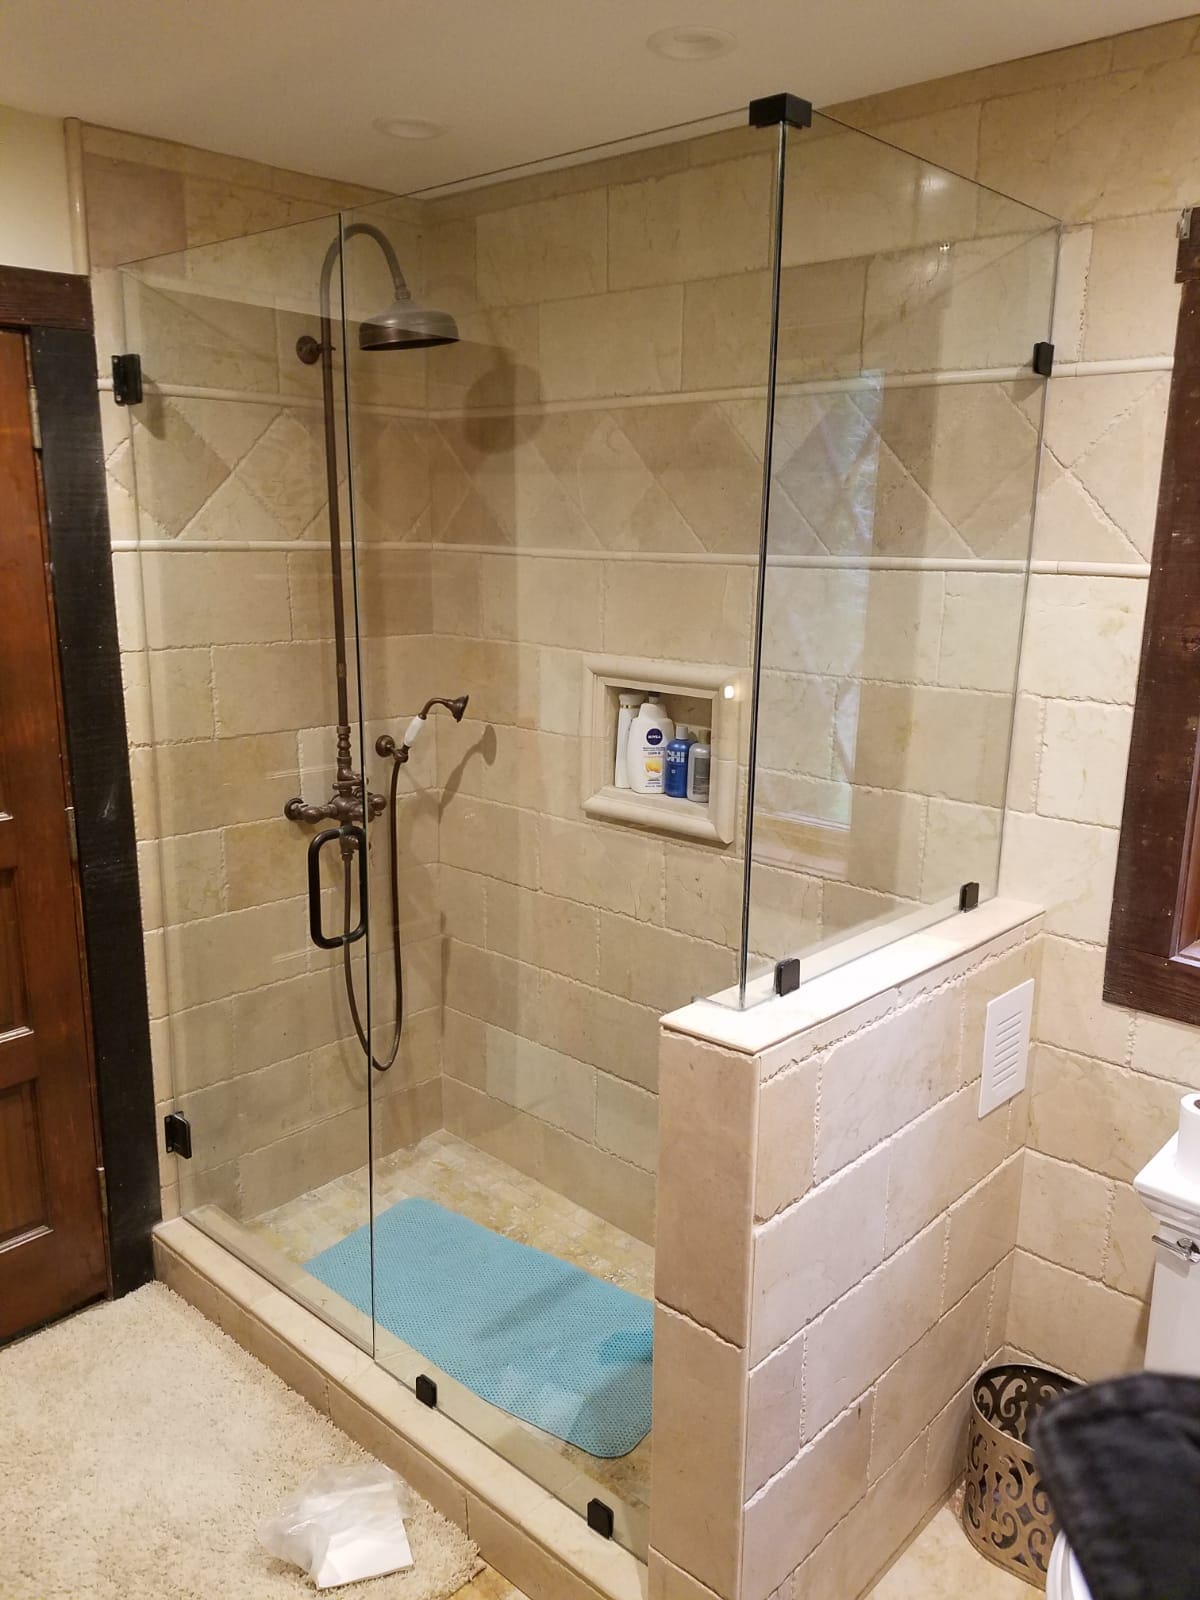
column 691, row 42
column 409, row 128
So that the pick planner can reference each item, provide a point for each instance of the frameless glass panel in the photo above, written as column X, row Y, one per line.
column 905, row 443
column 234, row 705
column 556, row 505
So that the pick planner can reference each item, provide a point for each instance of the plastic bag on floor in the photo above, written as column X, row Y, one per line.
column 346, row 1524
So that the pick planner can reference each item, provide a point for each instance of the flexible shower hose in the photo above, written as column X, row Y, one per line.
column 397, row 956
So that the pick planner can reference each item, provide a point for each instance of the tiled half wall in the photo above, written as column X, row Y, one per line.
column 837, row 1232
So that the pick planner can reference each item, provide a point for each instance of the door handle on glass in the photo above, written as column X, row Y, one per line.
column 346, row 832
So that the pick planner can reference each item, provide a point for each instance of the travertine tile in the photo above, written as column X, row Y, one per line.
column 699, row 223
column 787, row 1520
column 541, row 1082
column 212, row 782
column 1071, row 1011
column 981, row 303
column 268, row 688
column 810, row 1255
column 853, row 1344
column 1129, row 1257
column 1064, row 1213
column 774, row 1413
column 1106, row 432
column 627, row 1121
column 134, row 209
column 657, row 967
column 1102, row 619
column 788, row 1125
column 602, row 866
column 1106, row 1118
column 629, row 342
column 547, row 250
column 1107, row 146
column 962, row 845
column 927, row 1376
column 1066, row 866
column 983, row 1228
column 981, row 630
column 543, row 602
column 1083, row 762
column 877, row 1081
column 563, row 935
column 205, row 599
column 699, row 1412
column 1166, row 1049
column 705, row 1184
column 936, row 1159
column 904, row 741
column 168, row 695
column 1079, row 1326
column 849, row 196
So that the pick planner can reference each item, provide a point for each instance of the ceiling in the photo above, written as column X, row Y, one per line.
column 302, row 83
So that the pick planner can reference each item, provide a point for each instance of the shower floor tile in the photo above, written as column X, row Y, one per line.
column 464, row 1179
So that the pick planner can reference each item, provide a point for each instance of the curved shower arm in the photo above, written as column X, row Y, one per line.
column 399, row 282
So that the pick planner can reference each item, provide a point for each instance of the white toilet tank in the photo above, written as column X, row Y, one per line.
column 1169, row 1187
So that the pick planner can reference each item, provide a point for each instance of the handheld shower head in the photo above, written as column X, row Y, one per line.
column 385, row 745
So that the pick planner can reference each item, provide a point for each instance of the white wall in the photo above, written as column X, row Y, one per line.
column 34, row 212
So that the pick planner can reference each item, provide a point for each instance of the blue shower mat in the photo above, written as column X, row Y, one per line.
column 543, row 1340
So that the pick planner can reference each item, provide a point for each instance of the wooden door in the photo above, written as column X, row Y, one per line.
column 52, row 1251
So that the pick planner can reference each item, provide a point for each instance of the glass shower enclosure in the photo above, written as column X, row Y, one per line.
column 740, row 416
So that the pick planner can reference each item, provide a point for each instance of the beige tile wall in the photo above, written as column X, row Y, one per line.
column 1103, row 136
column 837, row 1236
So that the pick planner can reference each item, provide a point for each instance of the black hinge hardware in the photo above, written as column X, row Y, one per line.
column 968, row 897
column 178, row 1133
column 787, row 976
column 1043, row 358
column 127, row 380
column 775, row 108
column 425, row 1390
column 600, row 1518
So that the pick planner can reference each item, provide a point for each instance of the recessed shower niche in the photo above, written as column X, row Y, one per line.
column 564, row 501
column 697, row 696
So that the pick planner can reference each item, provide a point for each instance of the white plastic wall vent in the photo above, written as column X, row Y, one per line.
column 1006, row 1047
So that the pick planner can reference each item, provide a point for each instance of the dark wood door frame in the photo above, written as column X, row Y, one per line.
column 55, row 311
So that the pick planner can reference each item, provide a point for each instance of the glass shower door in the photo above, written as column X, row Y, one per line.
column 246, row 738
column 905, row 444
column 560, row 502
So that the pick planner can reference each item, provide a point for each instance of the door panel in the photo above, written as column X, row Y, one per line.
column 52, row 1254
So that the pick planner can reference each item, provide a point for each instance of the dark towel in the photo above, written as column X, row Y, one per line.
column 1121, row 1462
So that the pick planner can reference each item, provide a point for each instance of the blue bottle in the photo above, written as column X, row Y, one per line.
column 675, row 783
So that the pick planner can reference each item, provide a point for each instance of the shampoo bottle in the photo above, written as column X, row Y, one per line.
column 628, row 702
column 650, row 732
column 677, row 763
column 699, row 765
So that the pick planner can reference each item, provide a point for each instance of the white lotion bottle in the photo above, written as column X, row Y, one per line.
column 628, row 702
column 650, row 732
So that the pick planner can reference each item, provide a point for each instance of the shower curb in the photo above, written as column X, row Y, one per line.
column 530, row 1537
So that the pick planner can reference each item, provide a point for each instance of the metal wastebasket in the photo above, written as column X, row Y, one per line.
column 1006, row 1511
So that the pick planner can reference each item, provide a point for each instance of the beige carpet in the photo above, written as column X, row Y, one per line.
column 139, row 1446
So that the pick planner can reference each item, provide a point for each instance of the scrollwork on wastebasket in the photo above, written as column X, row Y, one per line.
column 1006, row 1511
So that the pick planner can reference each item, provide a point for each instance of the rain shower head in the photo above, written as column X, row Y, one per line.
column 407, row 325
